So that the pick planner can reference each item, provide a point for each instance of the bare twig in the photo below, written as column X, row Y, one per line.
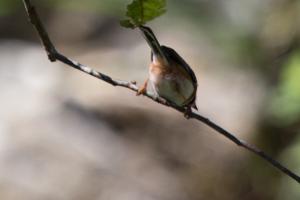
column 54, row 55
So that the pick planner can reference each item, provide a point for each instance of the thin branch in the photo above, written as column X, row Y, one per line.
column 54, row 55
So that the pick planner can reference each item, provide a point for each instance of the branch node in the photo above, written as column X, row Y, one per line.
column 133, row 82
column 52, row 54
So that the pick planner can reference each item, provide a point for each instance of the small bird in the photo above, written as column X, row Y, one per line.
column 169, row 75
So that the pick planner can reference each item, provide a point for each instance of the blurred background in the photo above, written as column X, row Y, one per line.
column 66, row 135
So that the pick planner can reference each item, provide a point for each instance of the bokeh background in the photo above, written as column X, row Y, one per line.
column 65, row 135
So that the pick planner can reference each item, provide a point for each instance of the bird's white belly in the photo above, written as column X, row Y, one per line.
column 177, row 90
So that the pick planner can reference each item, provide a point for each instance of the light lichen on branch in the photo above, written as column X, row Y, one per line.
column 54, row 55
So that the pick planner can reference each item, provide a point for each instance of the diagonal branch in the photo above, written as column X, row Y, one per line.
column 54, row 55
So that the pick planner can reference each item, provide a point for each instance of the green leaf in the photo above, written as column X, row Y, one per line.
column 285, row 104
column 140, row 12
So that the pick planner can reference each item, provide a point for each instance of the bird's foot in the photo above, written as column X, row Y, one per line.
column 187, row 112
column 141, row 90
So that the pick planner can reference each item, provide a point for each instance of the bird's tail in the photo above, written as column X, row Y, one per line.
column 152, row 42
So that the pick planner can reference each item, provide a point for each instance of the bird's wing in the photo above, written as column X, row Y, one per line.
column 173, row 56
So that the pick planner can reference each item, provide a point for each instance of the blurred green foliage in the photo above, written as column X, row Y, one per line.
column 285, row 105
column 7, row 6
column 103, row 6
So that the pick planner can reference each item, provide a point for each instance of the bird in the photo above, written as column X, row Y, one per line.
column 170, row 77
